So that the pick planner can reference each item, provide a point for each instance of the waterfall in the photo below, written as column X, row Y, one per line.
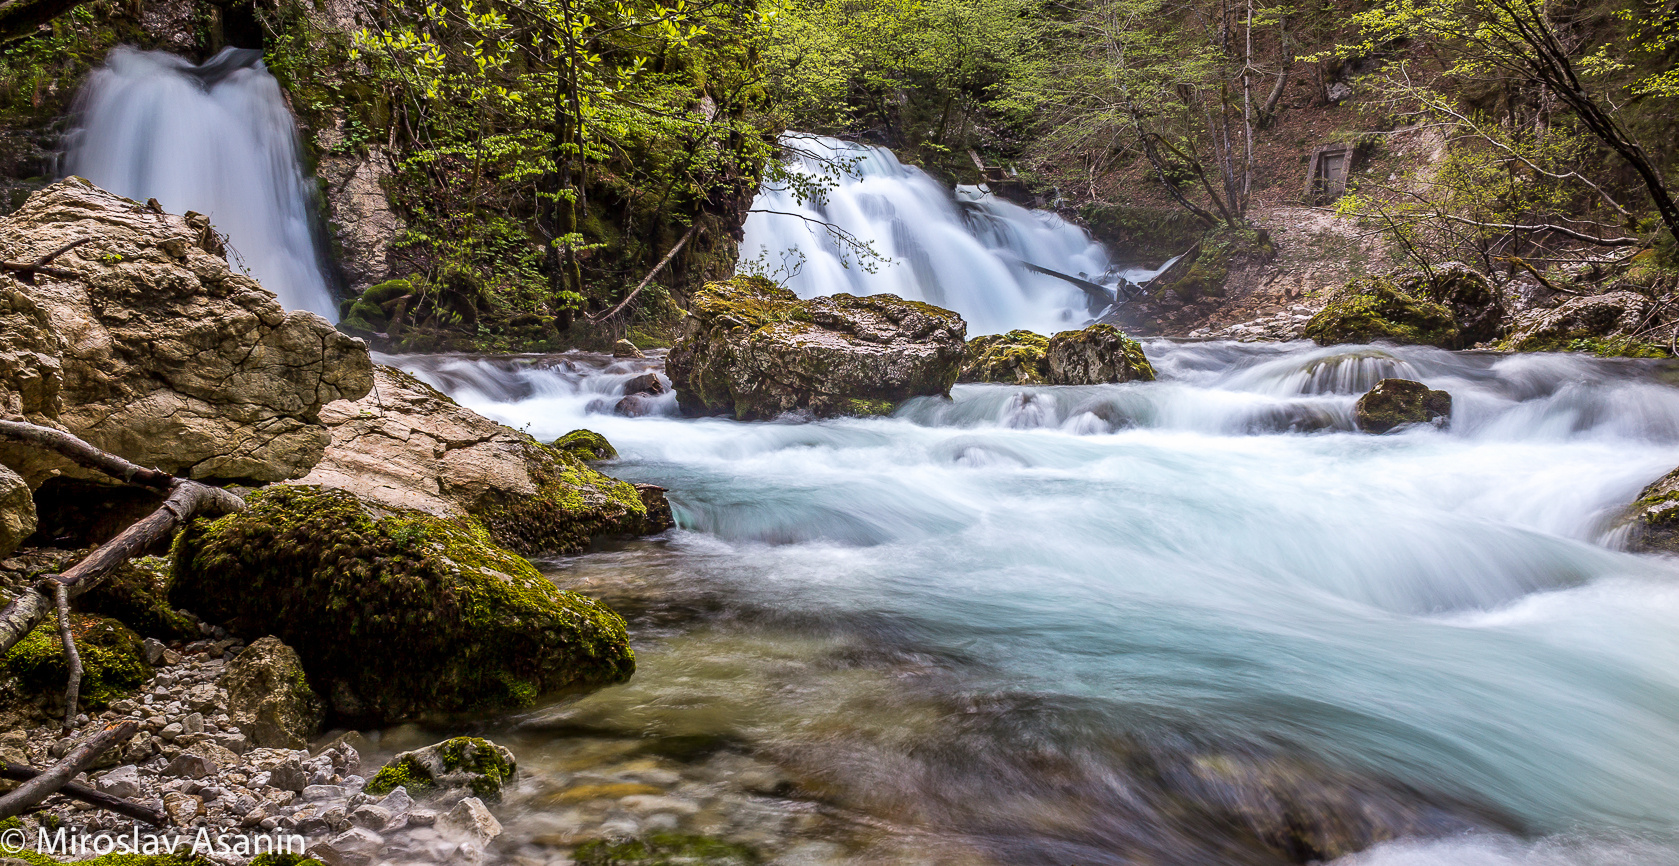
column 970, row 252
column 218, row 139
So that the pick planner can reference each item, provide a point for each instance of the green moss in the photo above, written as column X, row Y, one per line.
column 1606, row 347
column 1015, row 358
column 396, row 614
column 665, row 849
column 1375, row 309
column 489, row 767
column 865, row 408
column 585, row 445
column 285, row 860
column 1142, row 233
column 137, row 595
column 113, row 664
column 177, row 859
column 573, row 505
column 399, row 774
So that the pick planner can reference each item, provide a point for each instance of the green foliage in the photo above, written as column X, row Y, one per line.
column 113, row 664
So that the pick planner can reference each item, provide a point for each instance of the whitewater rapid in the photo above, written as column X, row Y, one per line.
column 1212, row 559
column 217, row 138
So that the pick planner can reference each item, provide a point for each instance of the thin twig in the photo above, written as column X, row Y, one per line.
column 72, row 690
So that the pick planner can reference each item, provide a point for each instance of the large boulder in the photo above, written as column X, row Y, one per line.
column 407, row 445
column 144, row 342
column 1383, row 309
column 395, row 613
column 1607, row 324
column 751, row 349
column 1652, row 520
column 1477, row 308
column 17, row 511
column 1397, row 402
column 1097, row 355
column 269, row 697
column 1015, row 358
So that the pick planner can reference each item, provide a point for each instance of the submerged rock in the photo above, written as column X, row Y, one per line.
column 470, row 763
column 147, row 344
column 396, row 613
column 1606, row 324
column 1653, row 518
column 269, row 698
column 1396, row 402
column 1015, row 358
column 751, row 349
column 1097, row 355
column 409, row 446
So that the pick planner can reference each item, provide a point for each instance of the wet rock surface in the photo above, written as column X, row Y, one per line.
column 1398, row 402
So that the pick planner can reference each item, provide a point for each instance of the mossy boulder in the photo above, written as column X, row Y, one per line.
column 1652, row 520
column 665, row 849
column 1015, row 358
column 395, row 613
column 1477, row 308
column 585, row 445
column 1397, row 402
column 471, row 763
column 113, row 661
column 1378, row 309
column 753, row 350
column 137, row 594
column 1097, row 355
column 1609, row 324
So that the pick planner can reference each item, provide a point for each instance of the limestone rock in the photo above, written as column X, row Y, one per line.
column 626, row 349
column 1477, row 308
column 1395, row 402
column 472, row 819
column 1097, row 355
column 409, row 446
column 395, row 613
column 1653, row 519
column 1606, row 324
column 164, row 354
column 268, row 697
column 470, row 763
column 1015, row 358
column 756, row 351
column 17, row 511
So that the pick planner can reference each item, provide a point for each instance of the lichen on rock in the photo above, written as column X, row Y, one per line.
column 470, row 763
column 585, row 445
column 343, row 581
column 1397, row 402
column 753, row 350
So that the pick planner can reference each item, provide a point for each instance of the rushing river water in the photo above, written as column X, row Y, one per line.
column 1184, row 622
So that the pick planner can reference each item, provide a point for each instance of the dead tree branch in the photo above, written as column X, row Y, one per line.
column 88, row 795
column 686, row 236
column 72, row 690
column 30, row 794
column 26, row 271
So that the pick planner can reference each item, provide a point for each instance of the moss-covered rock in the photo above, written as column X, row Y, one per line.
column 113, row 662
column 585, row 445
column 472, row 763
column 1608, row 324
column 137, row 594
column 395, row 613
column 1477, row 308
column 665, row 849
column 1015, row 358
column 756, row 351
column 1377, row 309
column 1396, row 402
column 1652, row 520
column 269, row 697
column 1097, row 355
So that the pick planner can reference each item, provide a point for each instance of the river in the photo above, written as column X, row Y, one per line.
column 1198, row 620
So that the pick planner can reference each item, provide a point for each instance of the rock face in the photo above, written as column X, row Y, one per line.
column 407, row 445
column 268, row 697
column 1395, row 402
column 1097, row 355
column 1015, row 358
column 1607, row 324
column 17, row 511
column 343, row 581
column 1653, row 519
column 150, row 346
column 472, row 763
column 756, row 351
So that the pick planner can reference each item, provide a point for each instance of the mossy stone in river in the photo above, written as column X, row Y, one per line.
column 1377, row 309
column 395, row 614
column 1653, row 519
column 471, row 763
column 1015, row 358
column 1096, row 355
column 113, row 661
column 1396, row 402
column 585, row 445
column 665, row 849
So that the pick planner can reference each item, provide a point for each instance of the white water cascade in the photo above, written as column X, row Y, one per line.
column 217, row 139
column 967, row 253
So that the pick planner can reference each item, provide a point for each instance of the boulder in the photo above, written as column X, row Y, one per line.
column 1477, row 308
column 1606, row 324
column 469, row 763
column 408, row 446
column 1396, row 402
column 395, row 613
column 1015, row 358
column 753, row 350
column 268, row 697
column 146, row 344
column 1652, row 520
column 1097, row 355
column 17, row 511
column 1373, row 309
column 586, row 445
column 626, row 349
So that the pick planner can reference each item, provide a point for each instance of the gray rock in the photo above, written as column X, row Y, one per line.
column 204, row 698
column 182, row 808
column 121, row 782
column 471, row 818
column 288, row 777
column 193, row 723
column 324, row 792
column 371, row 817
column 355, row 846
column 187, row 765
column 397, row 801
column 172, row 731
column 268, row 697
column 154, row 653
column 17, row 509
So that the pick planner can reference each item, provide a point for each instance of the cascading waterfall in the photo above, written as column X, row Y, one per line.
column 968, row 252
column 217, row 139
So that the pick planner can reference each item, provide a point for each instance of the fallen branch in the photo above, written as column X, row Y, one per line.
column 73, row 690
column 26, row 271
column 88, row 795
column 650, row 274
column 30, row 794
column 83, row 454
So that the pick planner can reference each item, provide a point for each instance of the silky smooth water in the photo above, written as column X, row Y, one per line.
column 1094, row 625
column 964, row 250
column 218, row 139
